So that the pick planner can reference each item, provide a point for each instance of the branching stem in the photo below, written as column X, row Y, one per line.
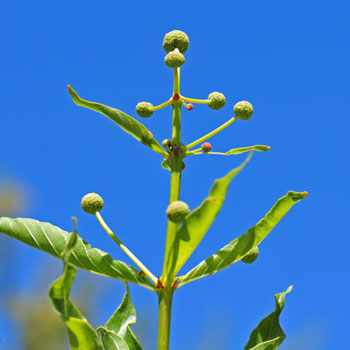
column 195, row 100
column 147, row 272
column 212, row 133
column 165, row 104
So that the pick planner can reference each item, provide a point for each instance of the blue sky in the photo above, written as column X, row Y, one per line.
column 290, row 59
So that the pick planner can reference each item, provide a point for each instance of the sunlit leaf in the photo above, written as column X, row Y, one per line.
column 268, row 335
column 198, row 222
column 260, row 148
column 81, row 334
column 239, row 247
column 118, row 326
column 127, row 123
column 53, row 240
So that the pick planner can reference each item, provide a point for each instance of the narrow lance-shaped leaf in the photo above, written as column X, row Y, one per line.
column 81, row 334
column 239, row 247
column 127, row 123
column 259, row 148
column 268, row 335
column 116, row 334
column 198, row 222
column 53, row 240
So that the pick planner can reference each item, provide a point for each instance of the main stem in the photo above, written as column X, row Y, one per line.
column 166, row 294
column 165, row 297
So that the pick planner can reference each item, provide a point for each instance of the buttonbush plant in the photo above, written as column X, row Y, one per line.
column 185, row 228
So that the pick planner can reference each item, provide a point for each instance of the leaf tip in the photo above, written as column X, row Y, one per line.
column 297, row 196
column 289, row 289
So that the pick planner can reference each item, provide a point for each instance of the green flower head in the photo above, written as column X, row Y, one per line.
column 177, row 211
column 144, row 109
column 92, row 203
column 174, row 59
column 243, row 110
column 216, row 100
column 176, row 39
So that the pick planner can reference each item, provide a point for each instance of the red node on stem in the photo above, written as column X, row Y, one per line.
column 189, row 107
column 176, row 97
column 159, row 284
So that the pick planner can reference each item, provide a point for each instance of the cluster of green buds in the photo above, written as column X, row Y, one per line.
column 175, row 44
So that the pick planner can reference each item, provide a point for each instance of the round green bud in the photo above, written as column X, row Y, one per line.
column 251, row 256
column 144, row 109
column 177, row 211
column 166, row 143
column 176, row 39
column 216, row 100
column 92, row 203
column 243, row 110
column 174, row 59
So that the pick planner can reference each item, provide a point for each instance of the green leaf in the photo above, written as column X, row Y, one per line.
column 166, row 164
column 51, row 239
column 268, row 335
column 239, row 247
column 127, row 123
column 198, row 222
column 268, row 345
column 118, row 326
column 111, row 341
column 260, row 148
column 80, row 332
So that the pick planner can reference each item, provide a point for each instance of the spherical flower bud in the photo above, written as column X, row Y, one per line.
column 243, row 110
column 251, row 256
column 174, row 59
column 176, row 39
column 177, row 211
column 189, row 107
column 206, row 147
column 144, row 109
column 92, row 203
column 216, row 100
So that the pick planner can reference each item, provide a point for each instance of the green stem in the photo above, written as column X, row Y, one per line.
column 195, row 151
column 165, row 104
column 147, row 272
column 175, row 178
column 165, row 297
column 195, row 100
column 212, row 133
column 166, row 294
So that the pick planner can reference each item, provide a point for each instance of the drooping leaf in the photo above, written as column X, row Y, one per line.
column 268, row 335
column 198, row 222
column 127, row 123
column 235, row 250
column 118, row 326
column 81, row 334
column 53, row 240
column 260, row 148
